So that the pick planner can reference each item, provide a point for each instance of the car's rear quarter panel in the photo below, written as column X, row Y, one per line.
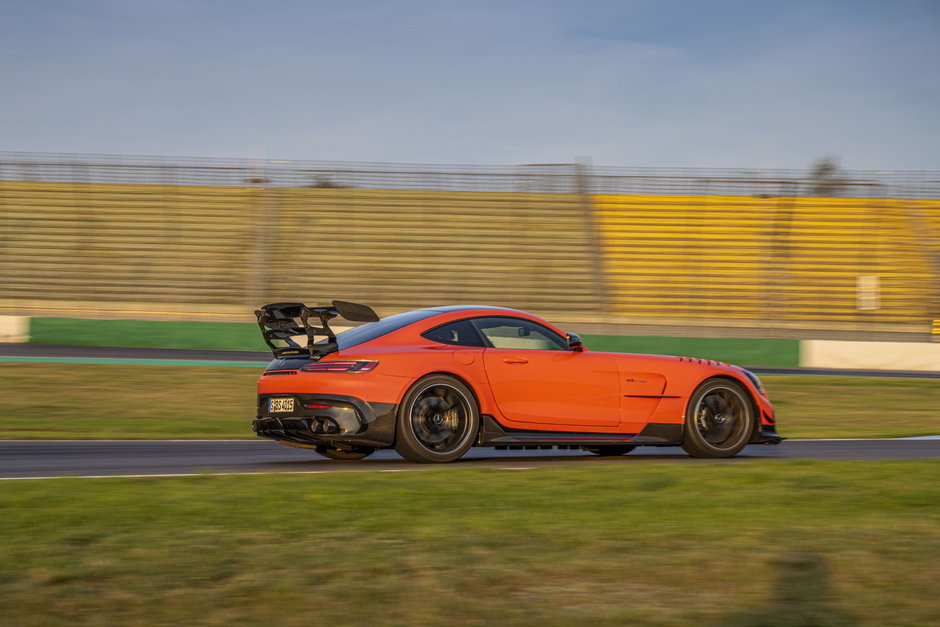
column 400, row 366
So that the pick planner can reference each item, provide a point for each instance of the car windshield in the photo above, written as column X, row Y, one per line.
column 371, row 330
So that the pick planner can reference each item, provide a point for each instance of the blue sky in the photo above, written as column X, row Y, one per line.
column 758, row 84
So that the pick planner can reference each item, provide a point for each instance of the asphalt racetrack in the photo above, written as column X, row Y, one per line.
column 33, row 459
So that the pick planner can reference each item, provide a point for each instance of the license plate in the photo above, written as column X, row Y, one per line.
column 280, row 404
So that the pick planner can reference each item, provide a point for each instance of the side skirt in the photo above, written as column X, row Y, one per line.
column 654, row 434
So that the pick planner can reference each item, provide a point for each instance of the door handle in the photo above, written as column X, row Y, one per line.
column 515, row 360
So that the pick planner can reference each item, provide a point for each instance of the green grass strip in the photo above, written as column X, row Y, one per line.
column 704, row 543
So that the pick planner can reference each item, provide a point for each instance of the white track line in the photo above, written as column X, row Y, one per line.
column 188, row 474
column 235, row 473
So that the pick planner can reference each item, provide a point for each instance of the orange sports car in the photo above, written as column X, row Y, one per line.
column 434, row 382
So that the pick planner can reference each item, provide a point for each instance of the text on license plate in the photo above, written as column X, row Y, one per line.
column 280, row 404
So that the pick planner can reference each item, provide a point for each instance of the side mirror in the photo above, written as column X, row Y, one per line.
column 574, row 342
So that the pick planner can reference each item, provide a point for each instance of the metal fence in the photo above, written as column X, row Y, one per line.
column 639, row 250
column 550, row 177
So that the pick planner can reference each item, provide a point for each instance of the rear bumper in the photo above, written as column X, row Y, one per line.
column 328, row 419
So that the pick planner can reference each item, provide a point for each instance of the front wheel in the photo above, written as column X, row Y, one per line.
column 719, row 420
column 438, row 420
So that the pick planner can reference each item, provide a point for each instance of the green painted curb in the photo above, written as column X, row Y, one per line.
column 146, row 333
column 743, row 352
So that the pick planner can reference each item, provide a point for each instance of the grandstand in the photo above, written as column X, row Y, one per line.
column 670, row 251
column 408, row 248
column 735, row 260
column 240, row 246
column 107, row 243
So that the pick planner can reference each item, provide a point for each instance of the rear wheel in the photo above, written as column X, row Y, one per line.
column 719, row 420
column 357, row 452
column 438, row 420
column 609, row 451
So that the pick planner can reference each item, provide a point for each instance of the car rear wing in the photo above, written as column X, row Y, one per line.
column 283, row 322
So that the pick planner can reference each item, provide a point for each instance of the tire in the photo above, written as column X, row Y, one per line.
column 438, row 420
column 609, row 451
column 719, row 419
column 357, row 452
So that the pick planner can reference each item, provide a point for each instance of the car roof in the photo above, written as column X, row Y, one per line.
column 439, row 315
column 417, row 321
column 450, row 308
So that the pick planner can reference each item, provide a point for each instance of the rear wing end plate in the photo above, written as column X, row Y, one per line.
column 284, row 322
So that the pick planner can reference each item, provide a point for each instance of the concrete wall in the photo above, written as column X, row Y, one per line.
column 14, row 329
column 921, row 356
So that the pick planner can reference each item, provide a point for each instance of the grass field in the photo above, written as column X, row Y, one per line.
column 92, row 401
column 821, row 543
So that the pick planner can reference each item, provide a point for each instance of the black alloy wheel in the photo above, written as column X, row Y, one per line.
column 438, row 420
column 719, row 419
column 354, row 453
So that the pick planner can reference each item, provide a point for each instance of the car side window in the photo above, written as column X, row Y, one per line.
column 516, row 333
column 460, row 333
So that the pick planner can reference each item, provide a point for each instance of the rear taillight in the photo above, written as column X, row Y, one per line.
column 340, row 366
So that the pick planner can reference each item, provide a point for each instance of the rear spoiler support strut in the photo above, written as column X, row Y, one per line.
column 285, row 321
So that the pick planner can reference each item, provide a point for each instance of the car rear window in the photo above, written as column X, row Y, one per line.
column 371, row 330
column 459, row 333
